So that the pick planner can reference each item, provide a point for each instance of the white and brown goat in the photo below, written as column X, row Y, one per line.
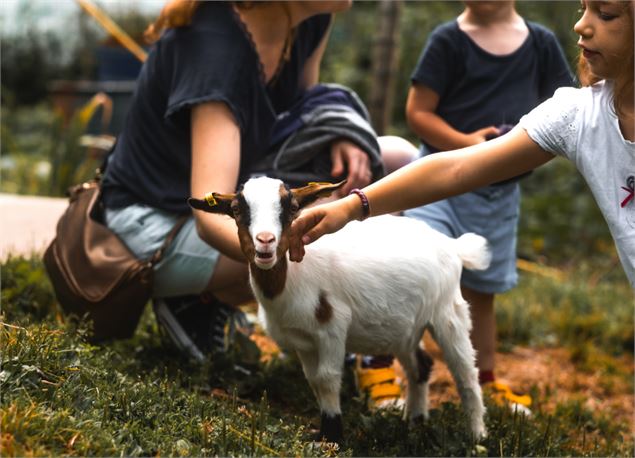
column 373, row 287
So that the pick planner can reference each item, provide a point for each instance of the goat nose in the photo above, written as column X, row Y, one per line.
column 266, row 237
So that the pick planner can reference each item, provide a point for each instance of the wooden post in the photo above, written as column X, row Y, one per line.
column 111, row 27
column 385, row 57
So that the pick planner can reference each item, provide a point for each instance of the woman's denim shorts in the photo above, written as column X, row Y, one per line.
column 187, row 265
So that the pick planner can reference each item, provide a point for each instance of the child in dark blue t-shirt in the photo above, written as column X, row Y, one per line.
column 476, row 77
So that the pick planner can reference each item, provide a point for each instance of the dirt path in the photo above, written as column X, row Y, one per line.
column 552, row 371
column 27, row 223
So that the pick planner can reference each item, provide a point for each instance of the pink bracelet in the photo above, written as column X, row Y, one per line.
column 365, row 204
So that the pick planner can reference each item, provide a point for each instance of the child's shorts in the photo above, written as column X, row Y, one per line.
column 491, row 212
column 188, row 263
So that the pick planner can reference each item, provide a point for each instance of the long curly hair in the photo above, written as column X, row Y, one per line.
column 623, row 86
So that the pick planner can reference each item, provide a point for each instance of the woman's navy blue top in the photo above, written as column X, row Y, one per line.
column 212, row 59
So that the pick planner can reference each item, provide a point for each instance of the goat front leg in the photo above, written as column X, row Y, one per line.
column 327, row 382
column 309, row 362
column 322, row 382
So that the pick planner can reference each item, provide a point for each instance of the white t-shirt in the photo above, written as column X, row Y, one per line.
column 581, row 125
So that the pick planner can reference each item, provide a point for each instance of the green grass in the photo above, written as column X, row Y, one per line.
column 62, row 396
column 580, row 311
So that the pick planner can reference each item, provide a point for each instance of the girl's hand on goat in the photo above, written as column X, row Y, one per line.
column 346, row 156
column 323, row 219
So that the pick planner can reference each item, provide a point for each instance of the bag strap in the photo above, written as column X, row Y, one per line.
column 168, row 240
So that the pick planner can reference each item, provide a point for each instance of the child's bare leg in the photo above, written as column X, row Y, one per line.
column 483, row 330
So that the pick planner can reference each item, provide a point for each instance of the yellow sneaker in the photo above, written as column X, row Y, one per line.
column 381, row 385
column 502, row 394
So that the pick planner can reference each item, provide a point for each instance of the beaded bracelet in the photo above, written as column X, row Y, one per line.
column 365, row 204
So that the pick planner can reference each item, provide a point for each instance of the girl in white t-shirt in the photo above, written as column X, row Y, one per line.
column 593, row 126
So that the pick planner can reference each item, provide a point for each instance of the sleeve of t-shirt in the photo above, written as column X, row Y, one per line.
column 436, row 65
column 199, row 70
column 555, row 123
column 554, row 69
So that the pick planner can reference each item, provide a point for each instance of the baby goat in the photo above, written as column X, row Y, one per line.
column 372, row 288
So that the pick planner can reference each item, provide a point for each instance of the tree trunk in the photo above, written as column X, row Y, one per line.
column 384, row 65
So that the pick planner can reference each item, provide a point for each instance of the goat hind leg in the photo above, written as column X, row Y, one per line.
column 454, row 340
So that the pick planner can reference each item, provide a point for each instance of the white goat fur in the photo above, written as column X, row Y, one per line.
column 387, row 279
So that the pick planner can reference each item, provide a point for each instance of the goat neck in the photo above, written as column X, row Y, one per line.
column 272, row 281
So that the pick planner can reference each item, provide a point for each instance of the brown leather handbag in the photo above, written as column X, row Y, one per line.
column 93, row 272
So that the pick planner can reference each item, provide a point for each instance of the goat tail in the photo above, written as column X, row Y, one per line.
column 474, row 252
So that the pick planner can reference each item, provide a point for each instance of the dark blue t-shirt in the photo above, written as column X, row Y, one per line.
column 477, row 89
column 212, row 59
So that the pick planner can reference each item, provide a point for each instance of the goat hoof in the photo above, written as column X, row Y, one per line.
column 480, row 433
column 331, row 429
column 418, row 420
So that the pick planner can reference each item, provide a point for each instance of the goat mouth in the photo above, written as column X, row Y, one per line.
column 264, row 257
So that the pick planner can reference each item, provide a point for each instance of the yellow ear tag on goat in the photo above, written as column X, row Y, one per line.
column 209, row 198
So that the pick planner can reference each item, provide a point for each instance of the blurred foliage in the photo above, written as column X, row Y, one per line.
column 32, row 58
column 70, row 162
column 560, row 219
column 592, row 305
column 29, row 62
column 42, row 152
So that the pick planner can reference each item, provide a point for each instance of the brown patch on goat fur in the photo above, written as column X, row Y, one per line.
column 323, row 310
column 246, row 243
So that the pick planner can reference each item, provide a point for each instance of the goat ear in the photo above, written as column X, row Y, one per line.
column 314, row 191
column 213, row 203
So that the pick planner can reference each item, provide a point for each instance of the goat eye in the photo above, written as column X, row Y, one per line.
column 294, row 207
column 236, row 210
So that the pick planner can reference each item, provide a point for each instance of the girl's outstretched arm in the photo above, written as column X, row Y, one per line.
column 426, row 180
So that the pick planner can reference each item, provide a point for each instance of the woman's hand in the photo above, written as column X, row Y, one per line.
column 347, row 156
column 314, row 222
